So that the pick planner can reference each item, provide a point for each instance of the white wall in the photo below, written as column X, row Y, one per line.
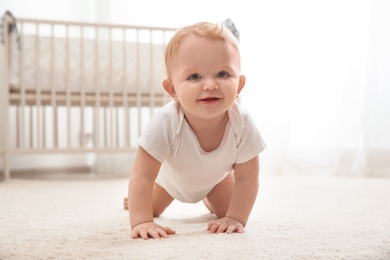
column 46, row 9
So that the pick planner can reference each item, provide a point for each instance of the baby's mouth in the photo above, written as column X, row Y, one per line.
column 209, row 99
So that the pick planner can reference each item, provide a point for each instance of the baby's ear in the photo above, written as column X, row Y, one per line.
column 169, row 88
column 241, row 84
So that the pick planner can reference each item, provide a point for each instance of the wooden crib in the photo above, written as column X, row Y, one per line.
column 73, row 87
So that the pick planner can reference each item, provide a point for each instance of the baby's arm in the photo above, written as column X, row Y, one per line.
column 243, row 198
column 143, row 175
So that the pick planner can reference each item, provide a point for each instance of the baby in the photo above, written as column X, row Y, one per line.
column 202, row 145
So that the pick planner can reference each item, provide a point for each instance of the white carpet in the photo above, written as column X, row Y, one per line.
column 295, row 217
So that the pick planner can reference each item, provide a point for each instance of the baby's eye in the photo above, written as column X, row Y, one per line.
column 194, row 76
column 222, row 74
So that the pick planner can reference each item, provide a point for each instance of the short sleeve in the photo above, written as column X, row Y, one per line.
column 249, row 140
column 159, row 134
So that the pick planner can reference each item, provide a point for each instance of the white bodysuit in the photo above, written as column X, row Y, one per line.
column 187, row 172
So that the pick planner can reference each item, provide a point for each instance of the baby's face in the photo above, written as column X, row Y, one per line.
column 206, row 76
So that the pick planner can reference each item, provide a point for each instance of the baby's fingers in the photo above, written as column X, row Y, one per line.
column 158, row 233
column 169, row 231
column 225, row 225
column 232, row 228
column 217, row 227
column 146, row 233
column 140, row 233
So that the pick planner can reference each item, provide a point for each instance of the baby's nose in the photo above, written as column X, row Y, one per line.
column 210, row 84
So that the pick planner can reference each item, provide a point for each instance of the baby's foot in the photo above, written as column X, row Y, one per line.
column 125, row 203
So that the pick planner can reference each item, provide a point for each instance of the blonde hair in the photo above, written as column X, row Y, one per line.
column 207, row 30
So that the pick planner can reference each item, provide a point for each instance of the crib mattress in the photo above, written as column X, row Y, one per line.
column 63, row 65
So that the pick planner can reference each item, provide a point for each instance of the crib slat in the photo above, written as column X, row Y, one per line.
column 82, row 142
column 31, row 124
column 124, row 93
column 96, row 127
column 17, row 125
column 53, row 91
column 151, row 73
column 105, row 119
column 110, row 78
column 22, row 129
column 43, row 145
column 137, row 73
column 117, row 132
column 38, row 124
column 68, row 103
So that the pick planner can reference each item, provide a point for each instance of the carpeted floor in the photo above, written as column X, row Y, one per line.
column 295, row 217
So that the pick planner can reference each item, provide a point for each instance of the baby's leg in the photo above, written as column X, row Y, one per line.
column 161, row 200
column 218, row 199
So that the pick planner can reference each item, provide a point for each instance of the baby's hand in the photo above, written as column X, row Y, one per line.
column 225, row 225
column 151, row 229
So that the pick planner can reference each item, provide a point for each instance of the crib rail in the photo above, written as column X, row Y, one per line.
column 105, row 112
